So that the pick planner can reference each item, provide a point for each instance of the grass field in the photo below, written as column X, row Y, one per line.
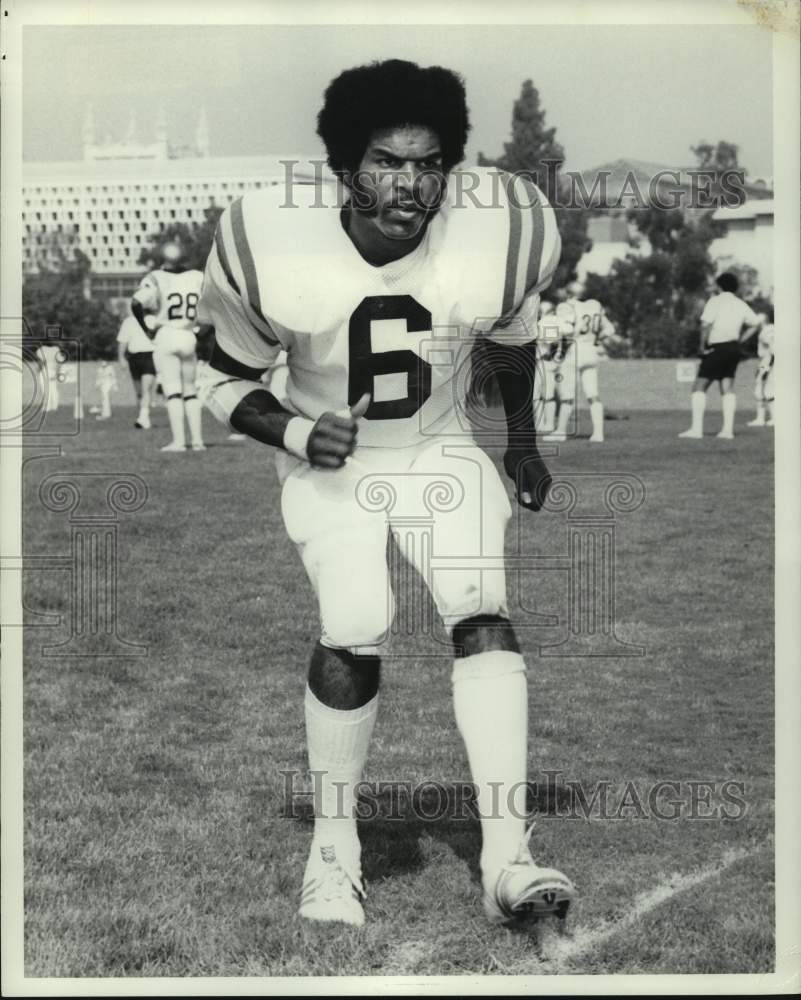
column 158, row 840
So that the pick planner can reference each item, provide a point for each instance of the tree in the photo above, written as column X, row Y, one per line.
column 656, row 300
column 534, row 152
column 195, row 238
column 56, row 297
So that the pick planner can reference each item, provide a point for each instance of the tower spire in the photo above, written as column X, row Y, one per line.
column 202, row 133
column 88, row 131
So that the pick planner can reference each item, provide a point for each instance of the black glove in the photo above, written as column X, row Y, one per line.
column 526, row 469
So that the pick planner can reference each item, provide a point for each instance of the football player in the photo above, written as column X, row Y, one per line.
column 377, row 304
column 763, row 388
column 548, row 348
column 580, row 361
column 50, row 357
column 726, row 323
column 170, row 295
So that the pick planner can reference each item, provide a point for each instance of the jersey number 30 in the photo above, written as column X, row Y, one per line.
column 366, row 367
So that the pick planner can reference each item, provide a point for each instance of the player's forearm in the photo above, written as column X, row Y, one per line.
column 748, row 333
column 250, row 408
column 138, row 313
column 261, row 416
column 514, row 367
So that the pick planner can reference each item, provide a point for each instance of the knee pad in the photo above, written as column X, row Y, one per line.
column 468, row 639
column 361, row 627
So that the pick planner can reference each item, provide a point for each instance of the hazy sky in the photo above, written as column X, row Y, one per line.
column 611, row 92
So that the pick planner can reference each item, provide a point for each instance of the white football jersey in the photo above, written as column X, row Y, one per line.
column 765, row 351
column 590, row 321
column 284, row 275
column 765, row 341
column 171, row 298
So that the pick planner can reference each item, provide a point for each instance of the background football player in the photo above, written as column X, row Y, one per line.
column 170, row 295
column 764, row 383
column 367, row 302
column 726, row 323
column 591, row 327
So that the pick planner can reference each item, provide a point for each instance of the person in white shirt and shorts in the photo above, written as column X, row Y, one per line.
column 726, row 323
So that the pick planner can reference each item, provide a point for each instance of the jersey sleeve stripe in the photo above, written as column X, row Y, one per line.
column 523, row 199
column 537, row 215
column 513, row 247
column 246, row 259
column 230, row 246
column 222, row 256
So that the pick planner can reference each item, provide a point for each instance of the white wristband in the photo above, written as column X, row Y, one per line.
column 296, row 436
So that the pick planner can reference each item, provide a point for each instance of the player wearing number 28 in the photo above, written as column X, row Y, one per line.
column 377, row 304
column 170, row 294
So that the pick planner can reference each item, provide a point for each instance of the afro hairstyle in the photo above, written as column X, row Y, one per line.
column 389, row 94
column 727, row 282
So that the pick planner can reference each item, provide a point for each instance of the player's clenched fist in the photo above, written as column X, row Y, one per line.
column 333, row 437
column 526, row 469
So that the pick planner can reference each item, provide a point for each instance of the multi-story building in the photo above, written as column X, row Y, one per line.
column 112, row 202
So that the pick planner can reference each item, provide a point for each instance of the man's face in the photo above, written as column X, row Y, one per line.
column 400, row 181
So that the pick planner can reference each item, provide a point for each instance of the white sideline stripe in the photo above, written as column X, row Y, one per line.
column 586, row 938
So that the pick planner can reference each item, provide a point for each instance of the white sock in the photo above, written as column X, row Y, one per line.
column 698, row 404
column 760, row 412
column 565, row 413
column 491, row 707
column 105, row 406
column 175, row 411
column 729, row 404
column 597, row 416
column 194, row 416
column 548, row 415
column 337, row 742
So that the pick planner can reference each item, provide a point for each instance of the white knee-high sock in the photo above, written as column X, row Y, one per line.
column 565, row 413
column 597, row 417
column 548, row 415
column 337, row 742
column 729, row 404
column 491, row 706
column 698, row 405
column 175, row 411
column 194, row 416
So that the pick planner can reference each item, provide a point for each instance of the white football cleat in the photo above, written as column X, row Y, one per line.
column 691, row 434
column 555, row 436
column 597, row 438
column 523, row 891
column 332, row 891
column 725, row 435
column 199, row 447
column 173, row 446
column 756, row 422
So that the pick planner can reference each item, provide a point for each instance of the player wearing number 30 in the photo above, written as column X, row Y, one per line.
column 377, row 306
column 170, row 295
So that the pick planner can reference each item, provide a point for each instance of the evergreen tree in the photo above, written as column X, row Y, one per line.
column 56, row 296
column 534, row 152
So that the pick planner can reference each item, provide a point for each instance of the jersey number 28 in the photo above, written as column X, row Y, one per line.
column 182, row 307
column 366, row 367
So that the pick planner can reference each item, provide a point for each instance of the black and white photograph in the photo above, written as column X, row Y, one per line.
column 400, row 498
